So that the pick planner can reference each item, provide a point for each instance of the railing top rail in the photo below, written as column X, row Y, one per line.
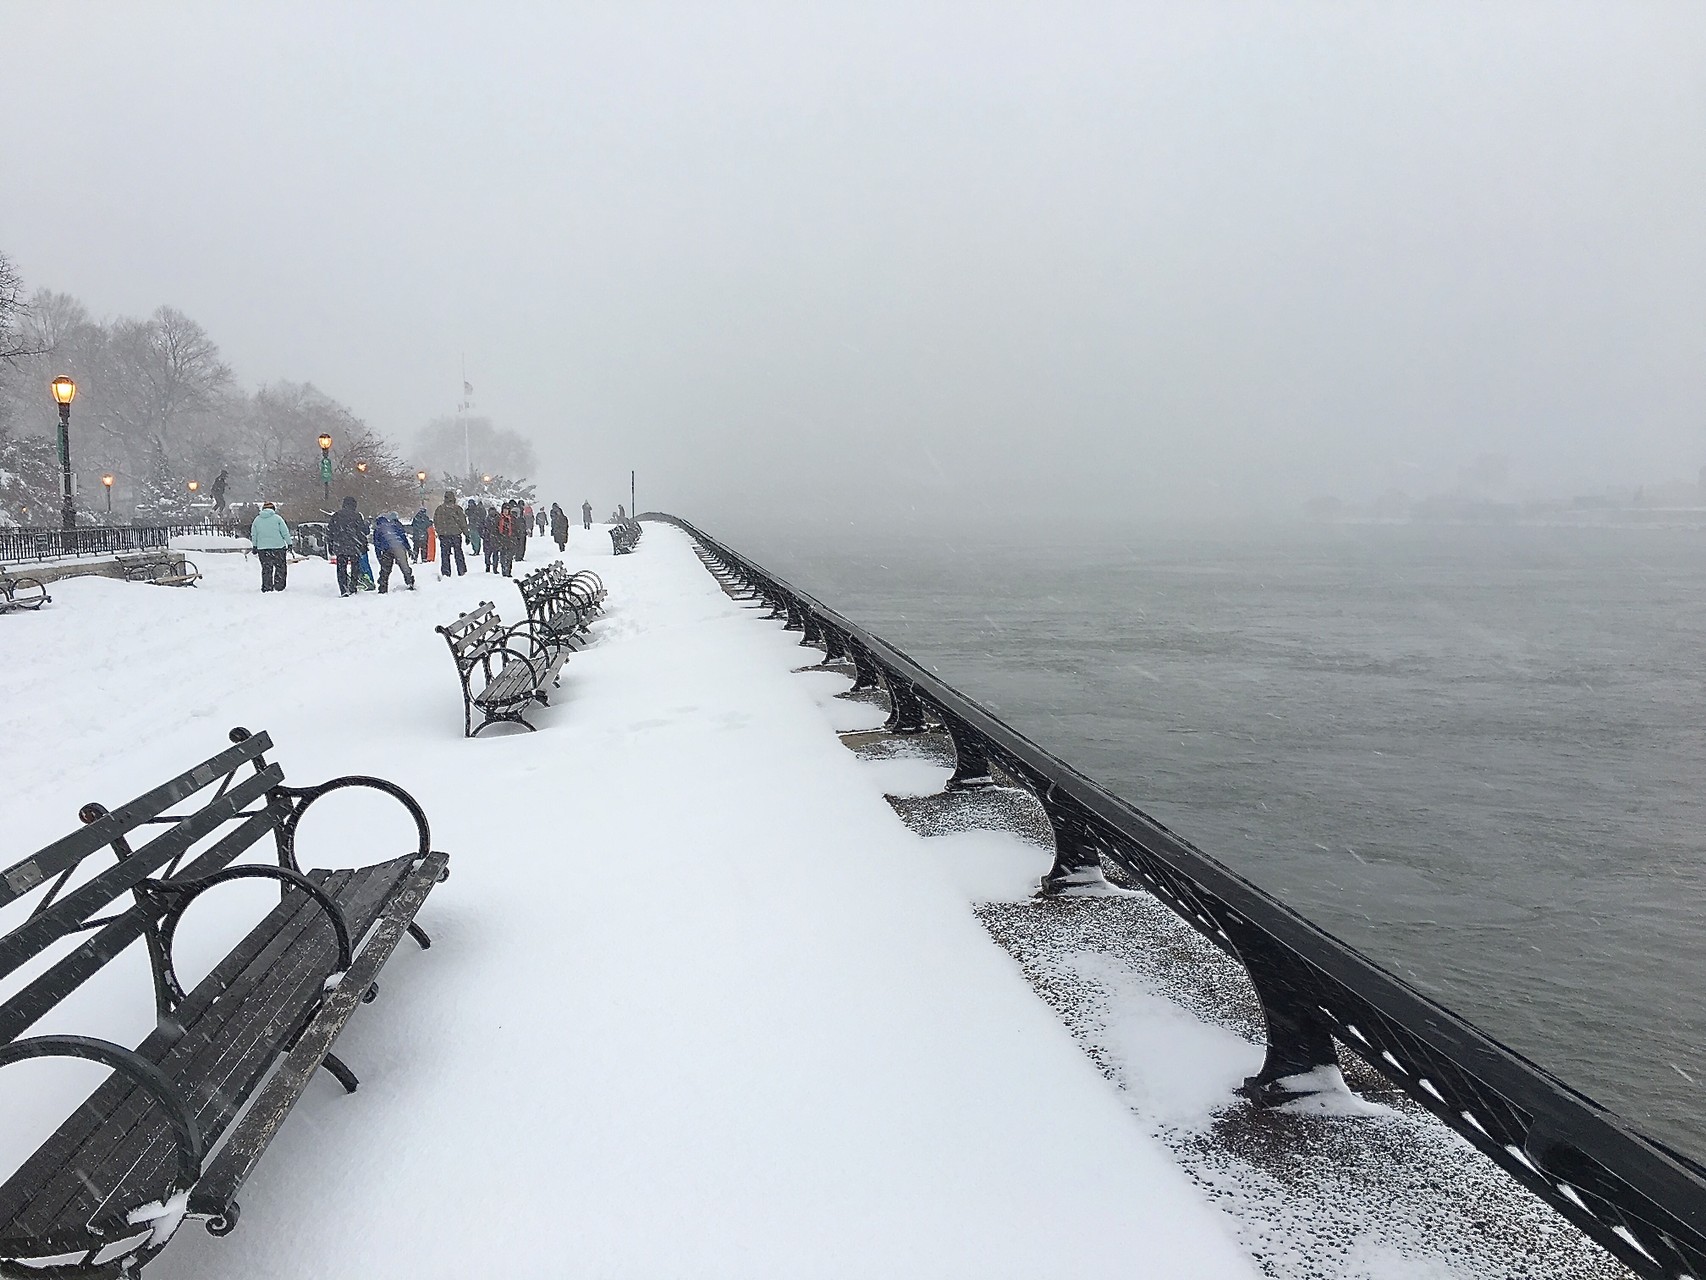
column 1566, row 1136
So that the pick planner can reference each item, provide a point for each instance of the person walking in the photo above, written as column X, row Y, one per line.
column 586, row 514
column 346, row 538
column 508, row 528
column 452, row 525
column 560, row 527
column 475, row 525
column 523, row 525
column 494, row 539
column 419, row 526
column 391, row 541
column 271, row 537
column 220, row 482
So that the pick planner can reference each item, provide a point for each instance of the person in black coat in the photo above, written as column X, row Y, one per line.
column 560, row 527
column 346, row 538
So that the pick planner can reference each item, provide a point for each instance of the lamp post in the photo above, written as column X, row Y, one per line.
column 326, row 465
column 421, row 476
column 195, row 486
column 64, row 392
column 107, row 484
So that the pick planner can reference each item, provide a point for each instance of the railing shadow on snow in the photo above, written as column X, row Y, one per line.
column 1644, row 1202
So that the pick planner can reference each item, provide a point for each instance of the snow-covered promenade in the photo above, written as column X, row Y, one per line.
column 699, row 1003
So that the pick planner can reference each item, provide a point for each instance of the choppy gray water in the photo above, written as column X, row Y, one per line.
column 1475, row 754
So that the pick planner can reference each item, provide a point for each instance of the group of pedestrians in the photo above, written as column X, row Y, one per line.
column 497, row 533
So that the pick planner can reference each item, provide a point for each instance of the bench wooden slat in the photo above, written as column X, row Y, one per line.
column 68, row 851
column 86, row 899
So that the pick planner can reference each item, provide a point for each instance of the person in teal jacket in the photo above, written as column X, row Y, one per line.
column 271, row 536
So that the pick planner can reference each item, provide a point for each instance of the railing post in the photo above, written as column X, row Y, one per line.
column 809, row 625
column 864, row 668
column 971, row 765
column 833, row 649
column 1300, row 1038
column 906, row 712
column 1077, row 861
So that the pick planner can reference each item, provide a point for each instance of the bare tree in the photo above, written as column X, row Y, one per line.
column 14, row 343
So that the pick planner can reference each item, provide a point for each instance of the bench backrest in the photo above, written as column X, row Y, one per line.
column 475, row 636
column 541, row 587
column 75, row 890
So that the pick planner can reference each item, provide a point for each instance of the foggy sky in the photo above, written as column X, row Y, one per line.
column 855, row 258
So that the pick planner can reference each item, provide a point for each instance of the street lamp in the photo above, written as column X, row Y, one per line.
column 64, row 392
column 195, row 486
column 421, row 476
column 107, row 481
column 326, row 465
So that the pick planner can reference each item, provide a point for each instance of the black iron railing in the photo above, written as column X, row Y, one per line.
column 1642, row 1201
column 24, row 544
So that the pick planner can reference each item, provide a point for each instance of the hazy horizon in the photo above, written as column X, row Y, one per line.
column 1157, row 258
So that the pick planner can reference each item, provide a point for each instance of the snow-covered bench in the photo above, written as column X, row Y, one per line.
column 176, row 1129
column 510, row 681
column 21, row 593
column 624, row 536
column 560, row 605
column 164, row 571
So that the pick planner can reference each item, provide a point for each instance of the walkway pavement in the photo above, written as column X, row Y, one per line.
column 699, row 1004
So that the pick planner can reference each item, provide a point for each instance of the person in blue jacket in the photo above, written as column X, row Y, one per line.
column 391, row 541
column 271, row 536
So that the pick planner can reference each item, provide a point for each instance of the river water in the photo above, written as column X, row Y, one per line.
column 1475, row 754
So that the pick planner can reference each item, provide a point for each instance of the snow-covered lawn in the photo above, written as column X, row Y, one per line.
column 699, row 1003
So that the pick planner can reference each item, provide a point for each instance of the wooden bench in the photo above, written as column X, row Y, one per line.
column 624, row 536
column 21, row 593
column 177, row 1128
column 510, row 681
column 560, row 605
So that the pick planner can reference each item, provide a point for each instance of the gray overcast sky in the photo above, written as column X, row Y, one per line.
column 854, row 257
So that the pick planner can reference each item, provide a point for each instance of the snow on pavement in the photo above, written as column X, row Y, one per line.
column 698, row 1002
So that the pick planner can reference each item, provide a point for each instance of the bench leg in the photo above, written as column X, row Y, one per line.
column 420, row 935
column 341, row 1073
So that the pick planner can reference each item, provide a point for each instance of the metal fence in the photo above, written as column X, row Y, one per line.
column 1641, row 1200
column 20, row 545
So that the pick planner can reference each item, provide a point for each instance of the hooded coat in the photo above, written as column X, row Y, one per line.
column 450, row 519
column 559, row 523
column 346, row 531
